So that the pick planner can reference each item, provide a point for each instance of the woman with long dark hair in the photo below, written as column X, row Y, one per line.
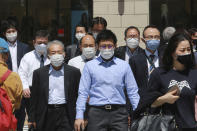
column 174, row 85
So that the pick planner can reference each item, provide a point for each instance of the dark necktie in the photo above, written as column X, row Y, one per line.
column 152, row 65
column 42, row 61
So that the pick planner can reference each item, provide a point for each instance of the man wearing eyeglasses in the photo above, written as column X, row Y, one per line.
column 142, row 65
column 104, row 80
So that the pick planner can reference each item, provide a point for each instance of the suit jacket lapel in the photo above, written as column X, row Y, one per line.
column 19, row 53
column 145, row 65
column 66, row 81
column 46, row 82
column 9, row 62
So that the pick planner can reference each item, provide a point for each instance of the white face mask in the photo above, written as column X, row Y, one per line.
column 79, row 36
column 11, row 36
column 107, row 53
column 57, row 60
column 89, row 52
column 132, row 42
column 41, row 49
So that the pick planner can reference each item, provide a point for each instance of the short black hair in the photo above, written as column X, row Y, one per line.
column 171, row 48
column 9, row 23
column 42, row 33
column 192, row 31
column 150, row 26
column 81, row 25
column 131, row 27
column 106, row 35
column 89, row 33
column 99, row 20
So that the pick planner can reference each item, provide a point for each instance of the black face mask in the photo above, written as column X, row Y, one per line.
column 186, row 60
column 194, row 41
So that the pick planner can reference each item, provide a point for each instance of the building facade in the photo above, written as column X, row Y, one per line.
column 61, row 16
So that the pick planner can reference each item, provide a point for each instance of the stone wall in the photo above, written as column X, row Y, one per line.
column 122, row 13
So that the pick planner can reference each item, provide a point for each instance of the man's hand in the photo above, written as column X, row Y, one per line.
column 26, row 93
column 79, row 124
column 32, row 123
column 129, row 121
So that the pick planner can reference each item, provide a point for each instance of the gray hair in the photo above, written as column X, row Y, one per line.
column 54, row 42
column 168, row 33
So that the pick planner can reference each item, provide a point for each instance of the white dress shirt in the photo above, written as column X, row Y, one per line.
column 13, row 55
column 56, row 86
column 78, row 62
column 29, row 63
column 155, row 60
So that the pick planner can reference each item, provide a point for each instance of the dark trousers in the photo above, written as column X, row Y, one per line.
column 20, row 113
column 57, row 120
column 107, row 120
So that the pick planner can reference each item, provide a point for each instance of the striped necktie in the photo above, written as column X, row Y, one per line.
column 152, row 65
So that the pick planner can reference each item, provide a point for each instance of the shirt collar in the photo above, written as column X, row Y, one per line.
column 51, row 70
column 83, row 59
column 101, row 61
column 12, row 45
column 129, row 51
column 38, row 55
column 148, row 53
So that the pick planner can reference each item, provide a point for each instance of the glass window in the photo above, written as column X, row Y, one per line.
column 58, row 16
column 177, row 13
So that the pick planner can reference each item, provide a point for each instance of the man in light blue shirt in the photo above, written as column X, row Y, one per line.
column 104, row 80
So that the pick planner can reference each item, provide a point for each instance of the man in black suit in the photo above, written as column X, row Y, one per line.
column 143, row 64
column 17, row 48
column 132, row 38
column 17, row 51
column 54, row 93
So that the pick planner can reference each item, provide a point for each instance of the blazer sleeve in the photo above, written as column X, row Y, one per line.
column 132, row 65
column 33, row 99
column 78, row 76
column 151, row 93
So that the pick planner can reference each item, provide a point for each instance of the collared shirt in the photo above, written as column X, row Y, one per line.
column 155, row 60
column 129, row 54
column 78, row 62
column 56, row 86
column 12, row 86
column 13, row 55
column 29, row 63
column 104, row 83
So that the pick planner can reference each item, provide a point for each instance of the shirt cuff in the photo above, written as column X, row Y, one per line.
column 25, row 87
column 80, row 114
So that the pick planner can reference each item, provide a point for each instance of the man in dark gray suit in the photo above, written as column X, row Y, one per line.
column 54, row 92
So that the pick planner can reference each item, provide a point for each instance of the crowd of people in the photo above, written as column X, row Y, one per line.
column 94, row 85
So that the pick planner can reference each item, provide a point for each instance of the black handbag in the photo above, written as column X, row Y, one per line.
column 154, row 122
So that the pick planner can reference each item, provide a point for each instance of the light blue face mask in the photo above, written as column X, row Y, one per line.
column 152, row 44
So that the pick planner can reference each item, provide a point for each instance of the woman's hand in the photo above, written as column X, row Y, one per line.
column 169, row 97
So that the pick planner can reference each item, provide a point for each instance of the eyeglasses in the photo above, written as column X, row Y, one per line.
column 106, row 46
column 149, row 37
